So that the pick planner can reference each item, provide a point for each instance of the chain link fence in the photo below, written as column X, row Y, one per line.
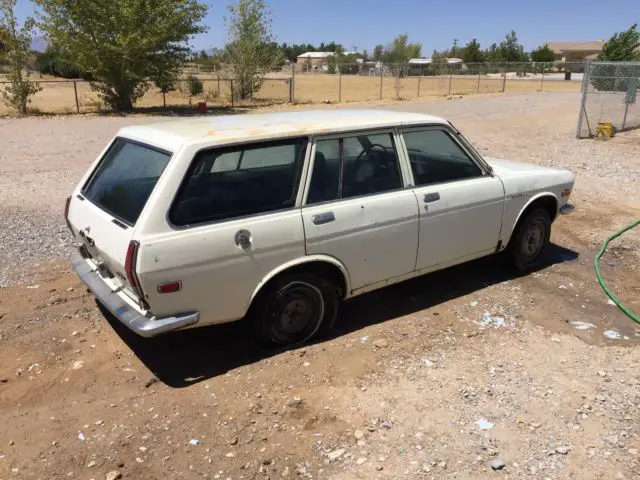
column 609, row 96
column 324, row 83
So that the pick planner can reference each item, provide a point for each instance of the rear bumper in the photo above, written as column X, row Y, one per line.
column 566, row 209
column 143, row 325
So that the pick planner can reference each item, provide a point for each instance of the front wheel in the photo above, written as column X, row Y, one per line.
column 530, row 240
column 293, row 309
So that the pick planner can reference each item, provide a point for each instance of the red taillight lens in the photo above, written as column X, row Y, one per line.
column 130, row 269
column 169, row 287
column 130, row 264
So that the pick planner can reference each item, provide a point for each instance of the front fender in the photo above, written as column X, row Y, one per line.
column 533, row 199
column 301, row 261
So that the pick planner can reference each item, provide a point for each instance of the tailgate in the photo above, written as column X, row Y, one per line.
column 104, row 210
column 104, row 238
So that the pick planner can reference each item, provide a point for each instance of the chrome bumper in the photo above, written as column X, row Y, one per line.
column 143, row 325
column 566, row 209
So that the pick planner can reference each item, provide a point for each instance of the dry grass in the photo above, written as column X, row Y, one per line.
column 59, row 97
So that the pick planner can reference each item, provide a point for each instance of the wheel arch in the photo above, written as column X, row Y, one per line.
column 326, row 265
column 546, row 200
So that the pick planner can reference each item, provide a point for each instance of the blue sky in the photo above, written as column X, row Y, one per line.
column 365, row 23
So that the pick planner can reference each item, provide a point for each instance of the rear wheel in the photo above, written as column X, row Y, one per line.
column 530, row 240
column 294, row 308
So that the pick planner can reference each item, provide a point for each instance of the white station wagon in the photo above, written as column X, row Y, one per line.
column 279, row 217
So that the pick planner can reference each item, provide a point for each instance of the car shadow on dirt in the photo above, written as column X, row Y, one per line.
column 181, row 359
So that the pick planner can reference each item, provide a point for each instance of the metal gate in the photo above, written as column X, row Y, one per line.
column 609, row 95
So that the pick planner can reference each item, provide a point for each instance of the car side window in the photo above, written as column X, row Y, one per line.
column 353, row 166
column 436, row 158
column 243, row 180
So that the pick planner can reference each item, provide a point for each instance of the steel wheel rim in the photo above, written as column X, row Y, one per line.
column 297, row 313
column 533, row 239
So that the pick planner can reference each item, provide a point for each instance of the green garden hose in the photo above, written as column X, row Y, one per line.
column 618, row 303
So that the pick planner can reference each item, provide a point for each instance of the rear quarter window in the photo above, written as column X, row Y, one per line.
column 232, row 182
column 125, row 178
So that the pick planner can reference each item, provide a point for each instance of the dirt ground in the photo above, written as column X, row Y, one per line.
column 439, row 377
column 58, row 96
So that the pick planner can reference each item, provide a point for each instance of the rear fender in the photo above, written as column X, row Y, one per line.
column 301, row 261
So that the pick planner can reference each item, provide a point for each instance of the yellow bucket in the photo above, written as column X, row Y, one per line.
column 605, row 130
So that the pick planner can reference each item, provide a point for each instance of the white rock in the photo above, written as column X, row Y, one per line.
column 336, row 454
column 113, row 475
column 380, row 343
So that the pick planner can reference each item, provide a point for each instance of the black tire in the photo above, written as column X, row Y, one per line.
column 293, row 309
column 530, row 240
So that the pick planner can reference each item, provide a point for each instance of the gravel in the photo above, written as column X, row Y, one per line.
column 43, row 158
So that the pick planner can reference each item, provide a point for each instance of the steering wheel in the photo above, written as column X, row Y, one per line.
column 366, row 151
column 365, row 173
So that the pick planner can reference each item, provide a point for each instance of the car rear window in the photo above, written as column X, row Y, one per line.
column 125, row 177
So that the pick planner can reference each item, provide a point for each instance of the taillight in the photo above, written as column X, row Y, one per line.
column 566, row 192
column 130, row 269
column 66, row 214
column 130, row 263
column 169, row 287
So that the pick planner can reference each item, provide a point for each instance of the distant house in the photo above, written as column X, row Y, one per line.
column 314, row 58
column 576, row 51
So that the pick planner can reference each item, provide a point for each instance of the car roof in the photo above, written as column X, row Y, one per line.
column 219, row 130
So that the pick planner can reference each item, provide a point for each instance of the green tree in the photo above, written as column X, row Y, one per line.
column 331, row 64
column 543, row 54
column 378, row 51
column 494, row 54
column 53, row 62
column 622, row 46
column 399, row 52
column 122, row 43
column 511, row 50
column 348, row 64
column 193, row 87
column 471, row 53
column 250, row 51
column 16, row 43
column 166, row 82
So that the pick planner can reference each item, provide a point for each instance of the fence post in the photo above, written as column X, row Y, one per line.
column 232, row 92
column 504, row 78
column 164, row 100
column 624, row 119
column 583, row 111
column 293, row 83
column 218, row 84
column 381, row 78
column 542, row 82
column 449, row 81
column 339, row 84
column 75, row 91
column 419, row 78
column 478, row 86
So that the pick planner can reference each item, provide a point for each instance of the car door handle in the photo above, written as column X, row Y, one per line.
column 431, row 197
column 323, row 218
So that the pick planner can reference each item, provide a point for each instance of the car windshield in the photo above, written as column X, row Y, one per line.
column 124, row 179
